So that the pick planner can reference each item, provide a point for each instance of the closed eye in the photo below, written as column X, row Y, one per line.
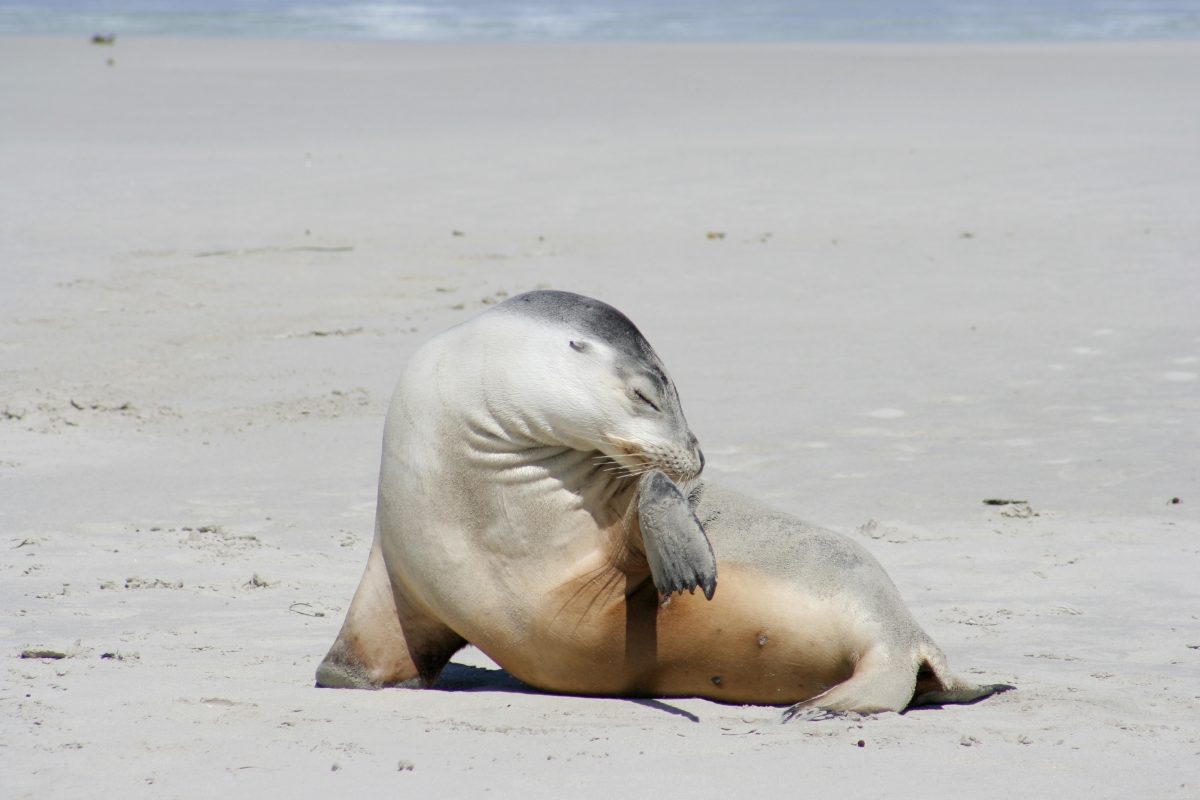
column 646, row 400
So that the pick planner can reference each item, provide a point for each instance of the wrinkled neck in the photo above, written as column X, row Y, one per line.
column 517, row 459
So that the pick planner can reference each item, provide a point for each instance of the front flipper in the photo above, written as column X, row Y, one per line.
column 679, row 553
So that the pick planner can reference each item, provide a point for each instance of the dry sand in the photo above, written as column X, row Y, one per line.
column 890, row 282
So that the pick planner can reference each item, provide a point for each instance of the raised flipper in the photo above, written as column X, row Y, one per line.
column 677, row 548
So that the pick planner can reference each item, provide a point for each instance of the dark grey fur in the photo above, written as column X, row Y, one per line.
column 588, row 317
column 679, row 553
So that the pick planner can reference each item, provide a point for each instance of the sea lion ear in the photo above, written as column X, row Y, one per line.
column 579, row 346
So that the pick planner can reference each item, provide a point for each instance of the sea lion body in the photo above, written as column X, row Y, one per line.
column 532, row 503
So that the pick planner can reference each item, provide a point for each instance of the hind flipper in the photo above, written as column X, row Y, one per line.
column 676, row 546
column 879, row 683
column 384, row 643
column 936, row 685
column 964, row 695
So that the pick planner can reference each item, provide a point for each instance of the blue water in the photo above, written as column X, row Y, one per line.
column 616, row 20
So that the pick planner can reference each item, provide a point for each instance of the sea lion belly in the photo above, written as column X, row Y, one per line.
column 757, row 641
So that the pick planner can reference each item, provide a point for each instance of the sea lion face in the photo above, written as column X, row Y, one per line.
column 603, row 386
column 635, row 415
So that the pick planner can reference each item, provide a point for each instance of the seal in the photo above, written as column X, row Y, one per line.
column 539, row 498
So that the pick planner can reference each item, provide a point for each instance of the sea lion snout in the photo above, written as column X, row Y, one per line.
column 682, row 461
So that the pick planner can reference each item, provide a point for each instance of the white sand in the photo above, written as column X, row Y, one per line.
column 947, row 274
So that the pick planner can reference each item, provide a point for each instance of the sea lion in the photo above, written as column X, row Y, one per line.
column 538, row 498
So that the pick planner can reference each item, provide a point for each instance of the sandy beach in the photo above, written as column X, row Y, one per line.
column 890, row 282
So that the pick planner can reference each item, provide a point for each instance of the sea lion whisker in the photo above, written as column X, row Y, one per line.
column 619, row 474
column 639, row 471
column 623, row 471
column 627, row 522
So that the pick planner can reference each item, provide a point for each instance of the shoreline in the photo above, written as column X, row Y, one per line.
column 831, row 44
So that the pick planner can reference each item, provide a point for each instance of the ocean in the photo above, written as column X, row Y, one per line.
column 616, row 20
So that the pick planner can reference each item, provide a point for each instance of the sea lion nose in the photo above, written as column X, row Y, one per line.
column 694, row 443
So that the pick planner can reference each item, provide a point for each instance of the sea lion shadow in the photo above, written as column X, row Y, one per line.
column 467, row 678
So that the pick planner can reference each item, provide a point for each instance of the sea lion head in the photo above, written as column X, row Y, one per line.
column 590, row 380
